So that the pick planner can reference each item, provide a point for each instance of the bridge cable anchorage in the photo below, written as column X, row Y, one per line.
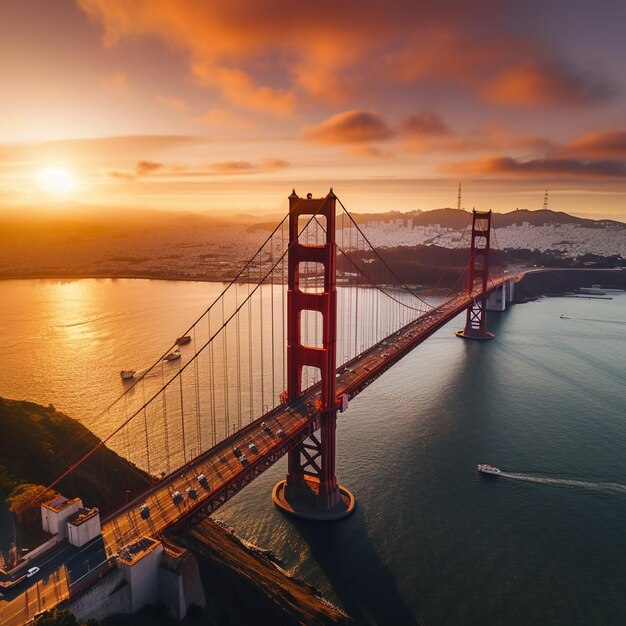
column 183, row 367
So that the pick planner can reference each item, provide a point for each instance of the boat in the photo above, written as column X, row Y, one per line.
column 172, row 356
column 564, row 317
column 485, row 468
column 184, row 340
column 127, row 374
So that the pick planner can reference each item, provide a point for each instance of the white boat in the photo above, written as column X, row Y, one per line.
column 564, row 317
column 485, row 468
column 127, row 374
column 172, row 356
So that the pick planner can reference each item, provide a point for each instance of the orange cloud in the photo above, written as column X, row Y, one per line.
column 238, row 167
column 424, row 124
column 272, row 56
column 350, row 127
column 533, row 83
column 239, row 88
column 143, row 168
column 230, row 167
column 272, row 163
column 607, row 144
column 537, row 168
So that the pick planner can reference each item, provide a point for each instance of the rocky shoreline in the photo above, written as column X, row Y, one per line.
column 245, row 584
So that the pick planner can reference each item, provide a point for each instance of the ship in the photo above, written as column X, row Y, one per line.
column 172, row 356
column 184, row 340
column 485, row 468
column 127, row 374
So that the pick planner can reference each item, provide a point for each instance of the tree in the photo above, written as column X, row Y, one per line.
column 56, row 617
column 25, row 501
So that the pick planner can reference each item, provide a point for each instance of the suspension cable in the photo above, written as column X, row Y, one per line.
column 380, row 258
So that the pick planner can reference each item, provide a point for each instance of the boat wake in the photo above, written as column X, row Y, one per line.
column 617, row 488
column 589, row 319
column 146, row 372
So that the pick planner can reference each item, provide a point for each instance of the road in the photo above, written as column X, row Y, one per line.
column 59, row 569
column 46, row 593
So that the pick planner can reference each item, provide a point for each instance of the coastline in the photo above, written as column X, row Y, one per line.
column 559, row 281
column 537, row 282
column 110, row 276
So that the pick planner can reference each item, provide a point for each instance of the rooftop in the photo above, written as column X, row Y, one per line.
column 60, row 503
column 133, row 552
column 82, row 515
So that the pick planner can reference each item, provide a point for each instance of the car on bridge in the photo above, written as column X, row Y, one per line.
column 202, row 479
column 177, row 497
column 280, row 432
column 243, row 459
column 237, row 452
column 192, row 494
column 252, row 447
column 144, row 511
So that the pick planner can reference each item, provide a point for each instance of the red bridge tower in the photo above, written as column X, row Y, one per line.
column 311, row 489
column 477, row 276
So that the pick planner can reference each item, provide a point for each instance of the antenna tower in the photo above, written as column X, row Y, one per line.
column 458, row 199
column 545, row 201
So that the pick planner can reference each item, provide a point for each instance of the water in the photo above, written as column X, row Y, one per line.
column 431, row 541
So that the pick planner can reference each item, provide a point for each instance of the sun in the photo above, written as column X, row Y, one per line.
column 56, row 179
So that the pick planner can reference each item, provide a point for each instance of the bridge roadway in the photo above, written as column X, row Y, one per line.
column 226, row 474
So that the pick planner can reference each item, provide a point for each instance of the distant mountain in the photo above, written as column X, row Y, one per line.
column 457, row 219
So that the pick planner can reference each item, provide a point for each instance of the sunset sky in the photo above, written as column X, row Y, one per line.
column 225, row 106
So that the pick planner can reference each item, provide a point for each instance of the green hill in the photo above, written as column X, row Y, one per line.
column 39, row 443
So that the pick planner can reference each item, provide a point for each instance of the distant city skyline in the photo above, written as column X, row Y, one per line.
column 224, row 107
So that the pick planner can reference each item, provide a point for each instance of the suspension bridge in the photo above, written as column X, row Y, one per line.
column 307, row 324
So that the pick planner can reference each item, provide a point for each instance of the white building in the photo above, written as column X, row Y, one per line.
column 54, row 514
column 83, row 526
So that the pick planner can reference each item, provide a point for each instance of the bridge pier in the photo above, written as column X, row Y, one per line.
column 311, row 489
column 502, row 296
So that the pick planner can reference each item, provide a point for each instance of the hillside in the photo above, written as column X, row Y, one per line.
column 39, row 443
